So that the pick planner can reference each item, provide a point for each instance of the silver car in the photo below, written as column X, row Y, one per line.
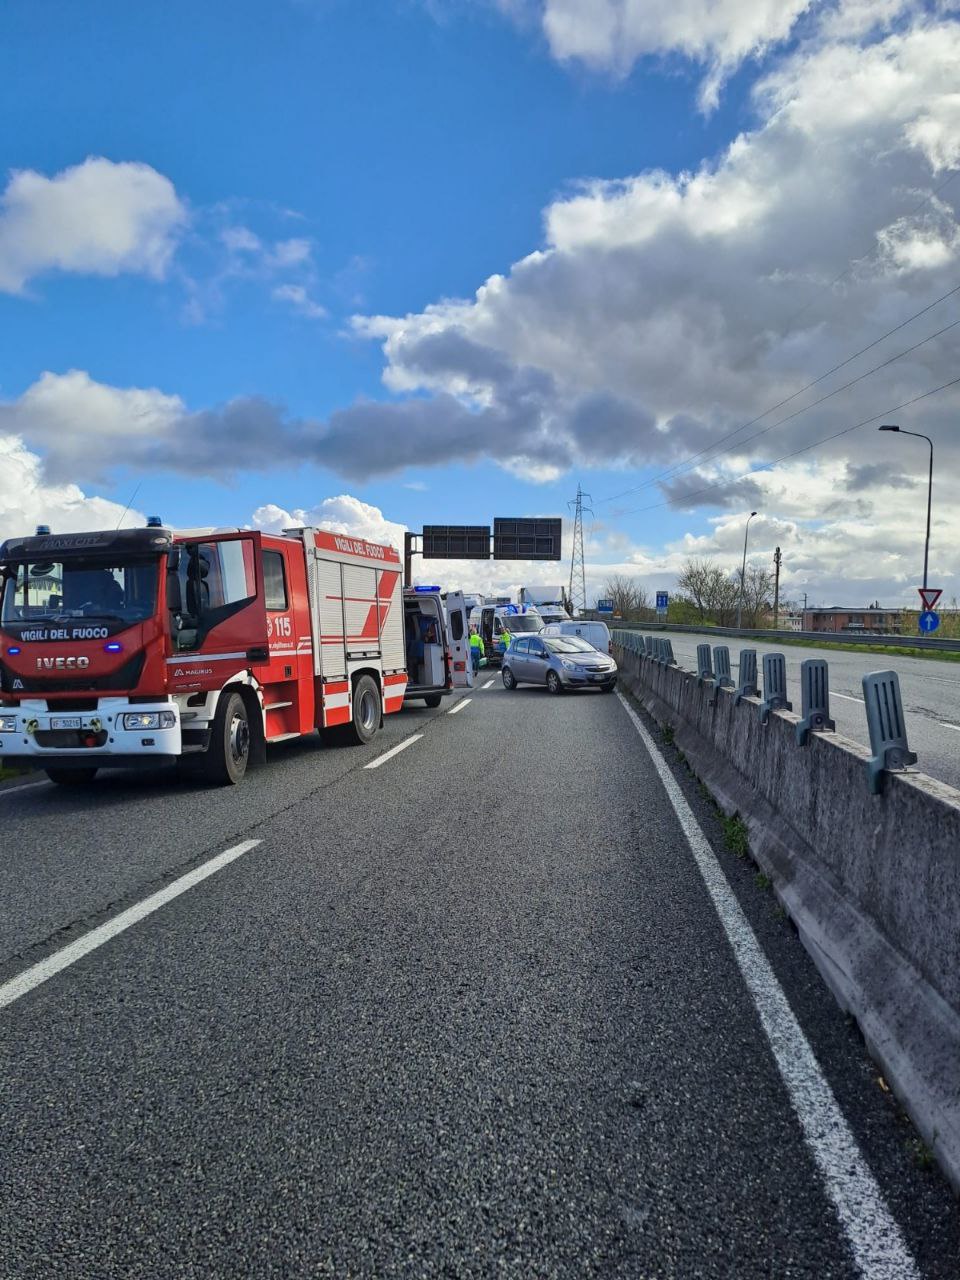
column 559, row 662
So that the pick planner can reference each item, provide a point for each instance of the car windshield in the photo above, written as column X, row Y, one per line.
column 105, row 589
column 518, row 622
column 568, row 644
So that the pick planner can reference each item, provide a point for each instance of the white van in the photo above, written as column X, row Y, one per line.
column 436, row 643
column 595, row 633
column 493, row 620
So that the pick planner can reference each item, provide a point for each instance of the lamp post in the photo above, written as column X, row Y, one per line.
column 743, row 570
column 926, row 549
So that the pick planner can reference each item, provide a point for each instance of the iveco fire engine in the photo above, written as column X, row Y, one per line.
column 139, row 646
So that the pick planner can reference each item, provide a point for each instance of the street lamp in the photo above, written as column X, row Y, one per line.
column 926, row 550
column 743, row 570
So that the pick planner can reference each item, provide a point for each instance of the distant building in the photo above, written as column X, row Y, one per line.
column 790, row 622
column 838, row 619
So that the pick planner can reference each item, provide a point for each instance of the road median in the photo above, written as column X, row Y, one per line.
column 872, row 882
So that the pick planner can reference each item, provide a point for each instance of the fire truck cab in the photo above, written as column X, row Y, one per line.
column 139, row 646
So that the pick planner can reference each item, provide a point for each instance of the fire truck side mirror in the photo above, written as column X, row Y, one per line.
column 174, row 594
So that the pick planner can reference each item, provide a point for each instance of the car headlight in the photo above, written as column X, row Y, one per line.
column 8, row 724
column 149, row 720
column 570, row 666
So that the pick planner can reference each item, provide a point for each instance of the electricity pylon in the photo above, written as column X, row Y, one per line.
column 578, row 570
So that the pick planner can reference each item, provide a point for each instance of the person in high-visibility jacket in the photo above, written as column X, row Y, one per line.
column 476, row 648
column 505, row 638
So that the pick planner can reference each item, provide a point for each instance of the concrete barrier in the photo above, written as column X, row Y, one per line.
column 872, row 882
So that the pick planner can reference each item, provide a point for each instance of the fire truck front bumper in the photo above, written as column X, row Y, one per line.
column 116, row 732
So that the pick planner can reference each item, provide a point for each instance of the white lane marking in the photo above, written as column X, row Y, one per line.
column 464, row 702
column 879, row 1250
column 25, row 786
column 488, row 685
column 60, row 960
column 945, row 724
column 388, row 755
column 848, row 698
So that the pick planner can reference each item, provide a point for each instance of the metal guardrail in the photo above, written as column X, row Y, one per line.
column 816, row 637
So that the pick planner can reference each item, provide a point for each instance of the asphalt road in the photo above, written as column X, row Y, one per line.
column 469, row 1013
column 930, row 691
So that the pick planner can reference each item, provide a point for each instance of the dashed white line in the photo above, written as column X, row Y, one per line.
column 878, row 1247
column 464, row 702
column 488, row 685
column 394, row 751
column 60, row 960
column 945, row 724
column 847, row 697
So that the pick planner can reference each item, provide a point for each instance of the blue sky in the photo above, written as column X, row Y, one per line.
column 330, row 160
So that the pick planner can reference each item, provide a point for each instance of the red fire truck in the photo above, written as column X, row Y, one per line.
column 142, row 646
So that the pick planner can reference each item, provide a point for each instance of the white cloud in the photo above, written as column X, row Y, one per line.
column 299, row 299
column 342, row 514
column 667, row 309
column 240, row 239
column 290, row 253
column 27, row 499
column 612, row 35
column 95, row 218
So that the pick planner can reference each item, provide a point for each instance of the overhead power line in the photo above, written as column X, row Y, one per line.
column 686, row 464
column 730, row 481
column 830, row 394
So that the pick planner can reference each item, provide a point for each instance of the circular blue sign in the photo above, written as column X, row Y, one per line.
column 929, row 621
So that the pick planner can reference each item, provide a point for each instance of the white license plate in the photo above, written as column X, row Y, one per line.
column 65, row 722
column 599, row 675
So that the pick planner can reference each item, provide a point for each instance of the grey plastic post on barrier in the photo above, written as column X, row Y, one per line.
column 704, row 664
column 668, row 658
column 888, row 728
column 815, row 699
column 774, row 686
column 747, row 687
column 650, row 645
column 721, row 666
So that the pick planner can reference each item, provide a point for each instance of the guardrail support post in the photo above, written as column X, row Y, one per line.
column 721, row 665
column 888, row 729
column 774, row 686
column 747, row 688
column 704, row 664
column 650, row 645
column 815, row 699
column 668, row 659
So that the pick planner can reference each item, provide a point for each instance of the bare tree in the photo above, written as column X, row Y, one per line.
column 757, row 595
column 709, row 589
column 629, row 598
column 692, row 585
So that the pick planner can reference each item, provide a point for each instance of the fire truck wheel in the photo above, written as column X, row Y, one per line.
column 433, row 699
column 367, row 712
column 71, row 777
column 228, row 755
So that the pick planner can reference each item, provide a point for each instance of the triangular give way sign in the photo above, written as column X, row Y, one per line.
column 930, row 596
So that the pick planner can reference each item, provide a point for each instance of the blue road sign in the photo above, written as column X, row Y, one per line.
column 663, row 599
column 929, row 621
column 604, row 606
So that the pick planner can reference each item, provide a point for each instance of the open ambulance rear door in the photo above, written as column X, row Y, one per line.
column 458, row 638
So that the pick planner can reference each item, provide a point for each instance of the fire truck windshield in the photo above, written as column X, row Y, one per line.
column 52, row 591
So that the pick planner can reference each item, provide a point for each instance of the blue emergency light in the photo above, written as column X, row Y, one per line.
column 14, row 648
column 154, row 522
column 426, row 589
column 113, row 647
